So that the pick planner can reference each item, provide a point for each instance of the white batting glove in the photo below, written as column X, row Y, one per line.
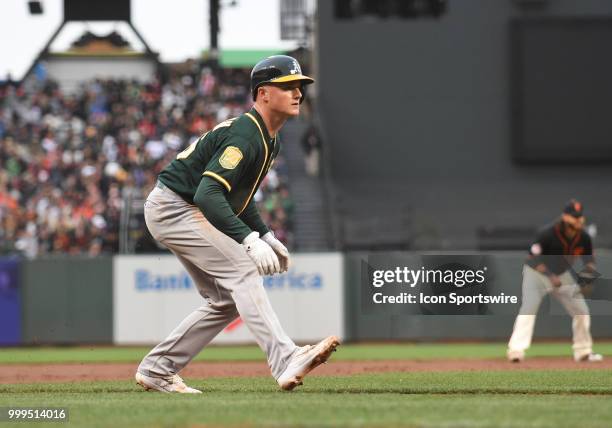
column 281, row 251
column 262, row 254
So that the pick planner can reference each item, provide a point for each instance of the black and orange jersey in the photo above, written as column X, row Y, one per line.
column 558, row 252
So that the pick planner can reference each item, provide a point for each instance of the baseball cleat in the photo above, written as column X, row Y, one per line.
column 306, row 359
column 589, row 358
column 516, row 356
column 165, row 384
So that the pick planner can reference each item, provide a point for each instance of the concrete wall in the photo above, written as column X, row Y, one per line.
column 416, row 116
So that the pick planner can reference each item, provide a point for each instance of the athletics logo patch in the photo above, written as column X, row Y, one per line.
column 230, row 158
column 296, row 68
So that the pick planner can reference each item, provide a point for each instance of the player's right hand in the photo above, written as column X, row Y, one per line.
column 262, row 254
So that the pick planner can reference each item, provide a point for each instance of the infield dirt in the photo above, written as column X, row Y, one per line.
column 74, row 372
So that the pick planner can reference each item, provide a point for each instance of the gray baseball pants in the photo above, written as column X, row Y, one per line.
column 226, row 278
column 535, row 287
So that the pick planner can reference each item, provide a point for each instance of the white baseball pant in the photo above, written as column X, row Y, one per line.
column 226, row 278
column 537, row 285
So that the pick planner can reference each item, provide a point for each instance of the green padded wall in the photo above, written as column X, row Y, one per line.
column 67, row 300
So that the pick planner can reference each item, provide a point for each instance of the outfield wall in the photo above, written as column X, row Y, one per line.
column 67, row 300
column 10, row 302
column 407, row 322
column 140, row 299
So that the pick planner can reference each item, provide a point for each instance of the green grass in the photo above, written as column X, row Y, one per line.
column 469, row 399
column 251, row 353
column 430, row 399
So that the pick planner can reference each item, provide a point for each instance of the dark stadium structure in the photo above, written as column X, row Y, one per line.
column 467, row 130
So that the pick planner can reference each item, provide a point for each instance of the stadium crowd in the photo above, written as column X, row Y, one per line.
column 68, row 161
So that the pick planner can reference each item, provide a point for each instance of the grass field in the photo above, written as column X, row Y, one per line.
column 530, row 398
column 426, row 351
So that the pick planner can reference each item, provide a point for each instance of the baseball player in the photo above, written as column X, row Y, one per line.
column 202, row 209
column 549, row 269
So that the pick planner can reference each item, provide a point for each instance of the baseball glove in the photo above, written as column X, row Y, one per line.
column 586, row 278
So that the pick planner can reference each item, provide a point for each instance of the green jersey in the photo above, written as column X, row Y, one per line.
column 221, row 171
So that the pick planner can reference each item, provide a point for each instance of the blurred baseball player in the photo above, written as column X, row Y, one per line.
column 549, row 269
column 202, row 209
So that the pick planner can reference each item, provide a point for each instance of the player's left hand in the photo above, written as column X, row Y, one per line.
column 281, row 251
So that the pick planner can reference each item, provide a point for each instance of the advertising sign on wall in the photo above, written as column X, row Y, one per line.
column 10, row 306
column 152, row 295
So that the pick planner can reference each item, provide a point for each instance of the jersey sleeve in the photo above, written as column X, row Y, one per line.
column 539, row 247
column 210, row 198
column 588, row 256
column 252, row 219
column 229, row 163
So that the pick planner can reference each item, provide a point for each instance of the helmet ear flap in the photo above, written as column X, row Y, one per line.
column 255, row 91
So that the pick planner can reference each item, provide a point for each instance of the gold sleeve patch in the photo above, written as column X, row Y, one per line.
column 231, row 157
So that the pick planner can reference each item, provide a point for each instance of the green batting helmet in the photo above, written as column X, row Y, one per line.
column 277, row 69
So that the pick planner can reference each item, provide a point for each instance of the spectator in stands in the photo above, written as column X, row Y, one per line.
column 311, row 143
column 68, row 161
